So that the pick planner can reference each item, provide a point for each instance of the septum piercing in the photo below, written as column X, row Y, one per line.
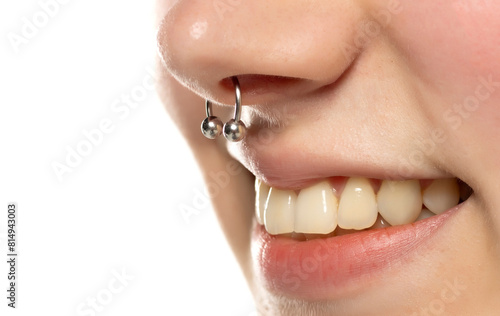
column 211, row 126
column 234, row 130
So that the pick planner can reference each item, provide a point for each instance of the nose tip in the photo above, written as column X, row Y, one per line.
column 275, row 50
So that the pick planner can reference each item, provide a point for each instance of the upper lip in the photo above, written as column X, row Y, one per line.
column 302, row 131
column 290, row 159
column 286, row 164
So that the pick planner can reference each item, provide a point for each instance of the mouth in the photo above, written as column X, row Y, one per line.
column 349, row 211
column 331, row 238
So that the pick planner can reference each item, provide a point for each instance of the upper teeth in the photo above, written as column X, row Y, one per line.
column 400, row 202
column 282, row 217
column 317, row 210
column 358, row 205
column 441, row 194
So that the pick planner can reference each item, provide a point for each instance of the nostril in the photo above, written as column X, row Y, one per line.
column 255, row 84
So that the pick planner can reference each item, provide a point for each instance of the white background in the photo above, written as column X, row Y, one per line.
column 119, row 209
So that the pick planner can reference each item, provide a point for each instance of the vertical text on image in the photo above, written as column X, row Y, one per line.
column 12, row 261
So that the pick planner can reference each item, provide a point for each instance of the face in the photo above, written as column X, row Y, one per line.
column 367, row 181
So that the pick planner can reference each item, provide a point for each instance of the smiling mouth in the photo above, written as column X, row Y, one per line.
column 340, row 205
column 340, row 235
column 347, row 214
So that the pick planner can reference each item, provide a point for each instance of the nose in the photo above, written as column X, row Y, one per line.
column 277, row 49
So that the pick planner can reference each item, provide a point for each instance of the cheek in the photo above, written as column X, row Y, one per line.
column 451, row 39
column 453, row 48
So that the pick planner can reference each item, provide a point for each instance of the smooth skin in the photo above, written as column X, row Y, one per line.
column 408, row 87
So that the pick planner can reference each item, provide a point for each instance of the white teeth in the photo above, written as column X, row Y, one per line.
column 425, row 213
column 358, row 206
column 399, row 202
column 261, row 193
column 381, row 223
column 279, row 211
column 316, row 210
column 441, row 195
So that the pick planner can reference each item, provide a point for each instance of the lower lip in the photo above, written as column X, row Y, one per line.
column 332, row 268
